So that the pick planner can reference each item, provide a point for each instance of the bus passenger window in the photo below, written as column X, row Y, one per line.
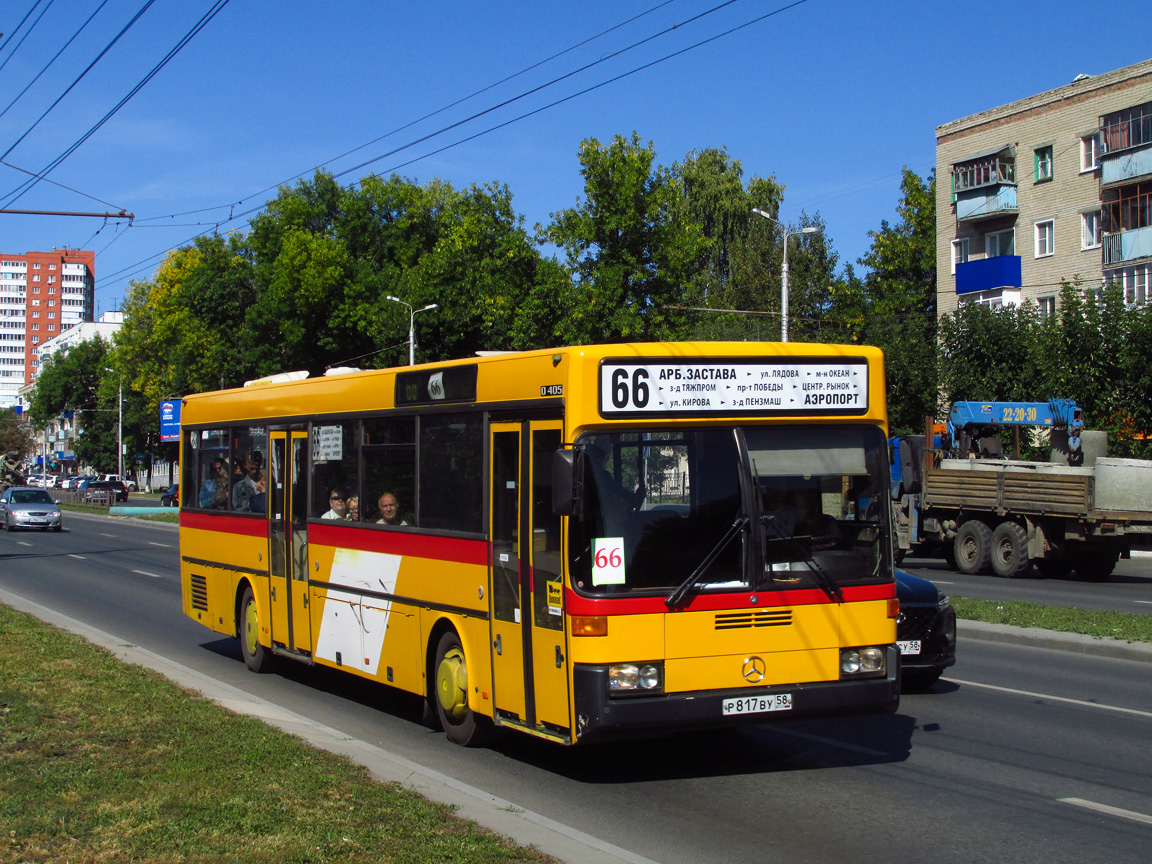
column 334, row 469
column 389, row 458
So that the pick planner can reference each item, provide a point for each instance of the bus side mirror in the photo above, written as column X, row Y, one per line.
column 912, row 464
column 568, row 482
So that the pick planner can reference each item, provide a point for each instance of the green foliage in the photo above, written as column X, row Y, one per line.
column 14, row 435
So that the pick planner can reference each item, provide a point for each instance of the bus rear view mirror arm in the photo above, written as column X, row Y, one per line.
column 568, row 482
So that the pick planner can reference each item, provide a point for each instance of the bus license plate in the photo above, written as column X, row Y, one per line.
column 757, row 704
column 912, row 647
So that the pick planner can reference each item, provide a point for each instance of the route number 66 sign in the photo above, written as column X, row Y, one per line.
column 607, row 560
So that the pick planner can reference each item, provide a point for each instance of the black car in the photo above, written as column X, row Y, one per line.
column 925, row 631
column 96, row 490
column 171, row 498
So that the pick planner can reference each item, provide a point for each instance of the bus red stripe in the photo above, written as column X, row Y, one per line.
column 575, row 604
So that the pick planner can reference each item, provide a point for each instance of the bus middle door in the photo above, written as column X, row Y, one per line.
column 288, row 541
column 529, row 663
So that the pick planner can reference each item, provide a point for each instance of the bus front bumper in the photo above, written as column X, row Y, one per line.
column 599, row 716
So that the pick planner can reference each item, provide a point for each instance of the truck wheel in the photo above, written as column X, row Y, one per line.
column 973, row 547
column 1010, row 550
column 1094, row 566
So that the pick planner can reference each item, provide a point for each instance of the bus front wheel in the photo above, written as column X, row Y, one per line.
column 256, row 656
column 460, row 723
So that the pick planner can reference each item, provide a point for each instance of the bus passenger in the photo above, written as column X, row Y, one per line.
column 214, row 490
column 353, row 514
column 389, row 510
column 337, row 504
column 245, row 488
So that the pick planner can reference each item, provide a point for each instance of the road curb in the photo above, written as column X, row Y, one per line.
column 1039, row 638
column 522, row 826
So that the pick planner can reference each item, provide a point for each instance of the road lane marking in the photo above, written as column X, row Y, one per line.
column 1142, row 601
column 146, row 573
column 23, row 542
column 1111, row 811
column 78, row 557
column 1029, row 693
column 165, row 545
column 107, row 535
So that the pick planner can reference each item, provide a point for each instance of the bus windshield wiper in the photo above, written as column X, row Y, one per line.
column 826, row 582
column 676, row 596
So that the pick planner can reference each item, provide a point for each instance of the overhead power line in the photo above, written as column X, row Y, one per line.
column 27, row 33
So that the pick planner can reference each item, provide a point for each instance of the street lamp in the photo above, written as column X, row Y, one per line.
column 810, row 229
column 411, row 325
column 119, row 427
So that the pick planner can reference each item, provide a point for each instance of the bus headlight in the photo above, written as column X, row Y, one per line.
column 635, row 677
column 858, row 662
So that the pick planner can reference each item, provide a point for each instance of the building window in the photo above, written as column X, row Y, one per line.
column 1090, row 233
column 1000, row 243
column 1089, row 152
column 35, row 266
column 36, row 278
column 51, row 266
column 1134, row 283
column 1047, row 306
column 1045, row 237
column 1042, row 161
column 959, row 252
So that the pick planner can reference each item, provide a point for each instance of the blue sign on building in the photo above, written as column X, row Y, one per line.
column 170, row 420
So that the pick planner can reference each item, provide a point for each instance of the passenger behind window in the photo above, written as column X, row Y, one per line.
column 337, row 504
column 353, row 508
column 214, row 490
column 250, row 483
column 389, row 510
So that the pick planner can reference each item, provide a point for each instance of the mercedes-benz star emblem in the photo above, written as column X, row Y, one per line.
column 753, row 670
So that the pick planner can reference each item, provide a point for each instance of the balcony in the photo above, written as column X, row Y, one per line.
column 1127, row 246
column 988, row 274
column 985, row 203
column 1125, row 166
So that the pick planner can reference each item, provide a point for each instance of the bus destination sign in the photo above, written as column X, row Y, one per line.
column 792, row 385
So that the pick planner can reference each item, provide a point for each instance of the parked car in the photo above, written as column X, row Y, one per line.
column 33, row 479
column 29, row 507
column 51, row 481
column 93, row 489
column 71, row 482
column 925, row 631
column 171, row 498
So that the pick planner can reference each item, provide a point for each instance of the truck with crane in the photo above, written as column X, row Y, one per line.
column 956, row 493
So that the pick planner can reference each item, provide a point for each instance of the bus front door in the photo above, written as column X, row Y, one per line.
column 288, row 542
column 529, row 651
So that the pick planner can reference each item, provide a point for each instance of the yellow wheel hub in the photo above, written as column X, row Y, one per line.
column 251, row 629
column 452, row 684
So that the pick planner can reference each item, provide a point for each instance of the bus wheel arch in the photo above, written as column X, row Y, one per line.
column 256, row 656
column 448, row 683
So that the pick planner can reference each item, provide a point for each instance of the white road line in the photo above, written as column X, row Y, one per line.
column 1029, row 693
column 23, row 542
column 80, row 557
column 164, row 545
column 1142, row 601
column 146, row 573
column 107, row 535
column 1111, row 811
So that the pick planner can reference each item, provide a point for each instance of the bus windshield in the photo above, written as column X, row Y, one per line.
column 731, row 509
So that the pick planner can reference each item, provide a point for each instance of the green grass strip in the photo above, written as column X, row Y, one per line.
column 1125, row 626
column 105, row 761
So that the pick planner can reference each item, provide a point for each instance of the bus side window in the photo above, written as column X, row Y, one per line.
column 389, row 459
column 335, row 476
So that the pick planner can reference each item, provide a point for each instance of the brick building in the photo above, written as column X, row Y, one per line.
column 42, row 294
column 1056, row 187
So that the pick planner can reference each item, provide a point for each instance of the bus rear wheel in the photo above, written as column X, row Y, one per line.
column 256, row 656
column 460, row 723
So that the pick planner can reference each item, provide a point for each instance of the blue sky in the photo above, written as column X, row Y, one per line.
column 832, row 97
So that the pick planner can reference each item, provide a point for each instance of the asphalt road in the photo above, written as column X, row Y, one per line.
column 1129, row 589
column 1020, row 754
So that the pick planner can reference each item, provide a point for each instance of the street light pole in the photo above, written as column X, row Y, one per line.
column 411, row 325
column 810, row 229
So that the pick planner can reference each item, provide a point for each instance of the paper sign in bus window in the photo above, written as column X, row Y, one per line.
column 608, row 561
column 555, row 598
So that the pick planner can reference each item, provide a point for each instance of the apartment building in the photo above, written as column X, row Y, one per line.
column 42, row 294
column 1053, row 188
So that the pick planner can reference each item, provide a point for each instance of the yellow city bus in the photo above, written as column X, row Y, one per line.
column 578, row 543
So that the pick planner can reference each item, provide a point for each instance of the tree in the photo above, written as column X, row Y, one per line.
column 894, row 306
column 14, row 435
column 631, row 246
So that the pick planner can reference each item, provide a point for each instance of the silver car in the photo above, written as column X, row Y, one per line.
column 29, row 507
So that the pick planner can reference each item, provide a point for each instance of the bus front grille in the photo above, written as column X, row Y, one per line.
column 742, row 620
